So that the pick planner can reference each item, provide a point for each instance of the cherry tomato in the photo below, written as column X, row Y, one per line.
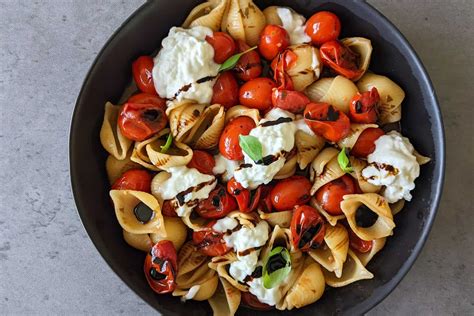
column 223, row 44
column 265, row 204
column 273, row 40
column 363, row 107
column 247, row 200
column 327, row 121
column 161, row 267
column 142, row 69
column 210, row 242
column 341, row 59
column 147, row 98
column 322, row 27
column 288, row 193
column 140, row 121
column 226, row 90
column 249, row 65
column 365, row 144
column 359, row 244
column 168, row 210
column 280, row 66
column 257, row 93
column 217, row 205
column 252, row 301
column 202, row 161
column 292, row 101
column 229, row 141
column 307, row 228
column 133, row 179
column 330, row 195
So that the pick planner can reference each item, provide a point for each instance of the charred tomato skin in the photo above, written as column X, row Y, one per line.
column 210, row 242
column 217, row 205
column 307, row 228
column 161, row 267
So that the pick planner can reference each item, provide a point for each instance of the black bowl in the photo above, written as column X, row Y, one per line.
column 392, row 56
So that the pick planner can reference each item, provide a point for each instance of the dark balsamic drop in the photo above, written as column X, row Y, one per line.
column 143, row 213
column 308, row 235
column 157, row 276
column 275, row 263
column 151, row 115
column 365, row 217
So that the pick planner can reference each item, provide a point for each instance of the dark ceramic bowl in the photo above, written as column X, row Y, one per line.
column 392, row 56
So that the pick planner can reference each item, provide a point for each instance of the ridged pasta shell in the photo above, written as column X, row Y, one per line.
column 197, row 12
column 198, row 292
column 363, row 47
column 384, row 225
column 282, row 219
column 331, row 171
column 358, row 165
column 332, row 219
column 244, row 21
column 139, row 154
column 288, row 169
column 319, row 163
column 195, row 224
column 280, row 237
column 124, row 203
column 141, row 242
column 297, row 266
column 308, row 288
column 183, row 118
column 377, row 245
column 208, row 16
column 221, row 266
column 206, row 132
column 226, row 299
column 397, row 206
column 391, row 96
column 240, row 110
column 333, row 253
column 308, row 146
column 354, row 134
column 115, row 168
column 337, row 91
column 307, row 67
column 111, row 137
column 271, row 15
column 178, row 155
column 420, row 158
column 353, row 271
column 176, row 232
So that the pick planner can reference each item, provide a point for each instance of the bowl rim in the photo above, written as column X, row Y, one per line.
column 439, row 168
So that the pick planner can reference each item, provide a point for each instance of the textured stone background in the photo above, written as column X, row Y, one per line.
column 48, row 264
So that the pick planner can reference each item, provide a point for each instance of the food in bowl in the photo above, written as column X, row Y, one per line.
column 256, row 161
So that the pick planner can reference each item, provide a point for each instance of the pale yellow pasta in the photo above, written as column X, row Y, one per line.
column 363, row 47
column 177, row 155
column 182, row 119
column 141, row 242
column 337, row 91
column 357, row 166
column 288, row 169
column 331, row 171
column 226, row 299
column 397, row 206
column 240, row 110
column 139, row 154
column 208, row 14
column 281, row 218
column 354, row 133
column 332, row 219
column 243, row 21
column 307, row 67
column 377, row 245
column 271, row 15
column 176, row 232
column 111, row 137
column 353, row 271
column 206, row 131
column 308, row 146
column 115, row 168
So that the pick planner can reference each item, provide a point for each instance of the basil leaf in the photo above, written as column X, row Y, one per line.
column 251, row 146
column 167, row 145
column 276, row 268
column 343, row 160
column 232, row 60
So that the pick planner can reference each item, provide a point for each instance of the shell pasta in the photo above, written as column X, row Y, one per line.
column 252, row 161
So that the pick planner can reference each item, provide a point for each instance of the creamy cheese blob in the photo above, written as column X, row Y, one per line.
column 225, row 224
column 301, row 125
column 293, row 23
column 191, row 293
column 267, row 296
column 225, row 167
column 185, row 58
column 276, row 140
column 393, row 165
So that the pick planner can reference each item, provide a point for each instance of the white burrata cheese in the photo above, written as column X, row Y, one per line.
column 267, row 296
column 393, row 165
column 225, row 224
column 293, row 23
column 225, row 167
column 244, row 266
column 302, row 126
column 185, row 57
column 191, row 293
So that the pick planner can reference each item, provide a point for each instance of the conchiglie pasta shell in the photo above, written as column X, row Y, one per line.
column 111, row 137
column 308, row 288
column 377, row 245
column 176, row 232
column 198, row 292
column 180, row 155
column 384, row 225
column 226, row 299
column 193, row 268
column 271, row 15
column 156, row 182
column 391, row 96
column 234, row 24
column 353, row 271
column 307, row 67
column 206, row 132
column 213, row 19
column 334, row 252
column 221, row 266
column 420, row 158
column 297, row 266
column 357, row 166
column 282, row 219
column 189, row 258
column 140, row 155
column 240, row 110
column 141, row 242
column 183, row 118
column 195, row 224
column 397, row 206
column 354, row 134
column 280, row 237
column 124, row 203
column 196, row 13
column 363, row 47
column 288, row 169
column 337, row 91
column 332, row 171
column 332, row 219
column 322, row 159
column 115, row 168
column 308, row 146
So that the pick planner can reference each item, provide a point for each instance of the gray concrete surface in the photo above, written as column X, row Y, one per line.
column 47, row 263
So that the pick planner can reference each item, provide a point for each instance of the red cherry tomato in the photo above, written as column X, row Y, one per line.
column 307, row 228
column 202, row 161
column 168, row 210
column 323, row 27
column 140, row 121
column 292, row 101
column 249, row 65
column 252, row 301
column 247, row 200
column 229, row 141
column 257, row 93
column 363, row 107
column 326, row 121
column 226, row 90
column 341, row 59
column 147, row 98
column 330, row 195
column 273, row 40
column 142, row 69
column 217, row 205
column 223, row 44
column 134, row 179
column 359, row 244
column 265, row 204
column 161, row 267
column 288, row 193
column 210, row 242
column 365, row 144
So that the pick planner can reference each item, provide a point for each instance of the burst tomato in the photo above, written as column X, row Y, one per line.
column 363, row 107
column 273, row 40
column 134, row 179
column 247, row 200
column 257, row 93
column 288, row 193
column 226, row 90
column 210, row 242
column 202, row 161
column 265, row 204
column 288, row 100
column 142, row 69
column 217, row 205
column 341, row 59
column 365, row 144
column 249, row 65
column 323, row 27
column 161, row 267
column 330, row 195
column 327, row 121
column 140, row 121
column 307, row 228
column 229, row 141
column 223, row 44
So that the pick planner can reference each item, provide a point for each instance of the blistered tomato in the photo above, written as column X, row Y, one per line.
column 257, row 93
column 161, row 267
column 359, row 244
column 226, row 90
column 202, row 161
column 217, row 205
column 307, row 228
column 341, row 59
column 273, row 40
column 323, row 26
column 330, row 195
column 249, row 65
column 365, row 144
column 326, row 121
column 134, row 179
column 142, row 69
column 140, row 121
column 223, row 44
column 229, row 141
column 247, row 200
column 363, row 107
column 210, row 242
column 288, row 193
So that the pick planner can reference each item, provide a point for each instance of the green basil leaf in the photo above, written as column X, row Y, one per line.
column 167, row 145
column 251, row 146
column 232, row 60
column 276, row 268
column 343, row 160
